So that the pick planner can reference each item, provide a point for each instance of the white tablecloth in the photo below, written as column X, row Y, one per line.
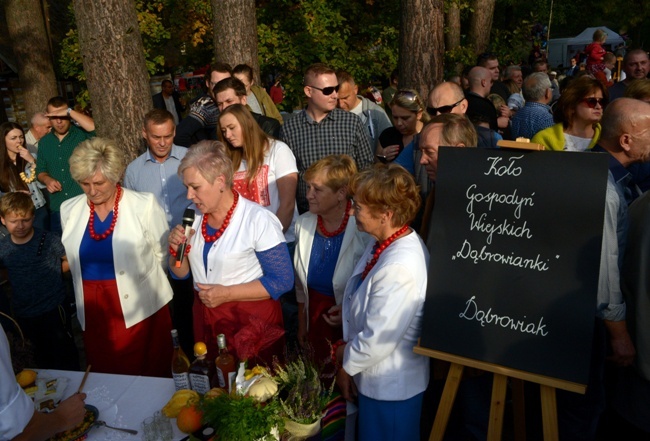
column 122, row 400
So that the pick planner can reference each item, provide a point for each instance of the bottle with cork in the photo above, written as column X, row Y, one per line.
column 225, row 364
column 202, row 371
column 180, row 364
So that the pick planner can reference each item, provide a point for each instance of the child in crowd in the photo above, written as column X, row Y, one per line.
column 35, row 260
column 596, row 52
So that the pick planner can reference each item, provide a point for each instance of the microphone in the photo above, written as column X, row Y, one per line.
column 188, row 220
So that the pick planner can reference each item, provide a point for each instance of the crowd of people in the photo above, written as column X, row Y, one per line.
column 327, row 209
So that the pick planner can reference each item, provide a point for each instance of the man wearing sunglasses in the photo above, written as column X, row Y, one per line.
column 446, row 97
column 321, row 129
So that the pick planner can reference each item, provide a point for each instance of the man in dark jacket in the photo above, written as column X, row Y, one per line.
column 168, row 99
column 231, row 91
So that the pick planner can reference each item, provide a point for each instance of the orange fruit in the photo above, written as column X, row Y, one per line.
column 189, row 419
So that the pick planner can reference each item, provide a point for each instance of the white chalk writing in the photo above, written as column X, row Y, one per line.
column 472, row 312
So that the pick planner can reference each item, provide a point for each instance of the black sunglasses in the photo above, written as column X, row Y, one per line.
column 327, row 91
column 433, row 111
column 591, row 102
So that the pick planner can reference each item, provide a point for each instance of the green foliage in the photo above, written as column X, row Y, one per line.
column 360, row 37
column 457, row 59
column 302, row 396
column 513, row 46
column 239, row 418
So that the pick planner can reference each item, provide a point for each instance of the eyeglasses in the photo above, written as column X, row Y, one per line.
column 591, row 102
column 433, row 111
column 327, row 91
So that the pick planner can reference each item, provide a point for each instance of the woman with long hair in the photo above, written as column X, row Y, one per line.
column 18, row 170
column 265, row 168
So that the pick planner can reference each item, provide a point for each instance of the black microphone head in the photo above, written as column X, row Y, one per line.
column 188, row 216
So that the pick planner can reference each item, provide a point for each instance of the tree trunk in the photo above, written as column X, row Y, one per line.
column 235, row 33
column 421, row 48
column 31, row 46
column 117, row 78
column 480, row 24
column 452, row 22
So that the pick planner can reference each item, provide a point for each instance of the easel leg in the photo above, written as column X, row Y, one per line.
column 497, row 407
column 446, row 402
column 519, row 408
column 549, row 413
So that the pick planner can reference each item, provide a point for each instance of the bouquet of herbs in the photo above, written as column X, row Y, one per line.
column 303, row 396
column 240, row 418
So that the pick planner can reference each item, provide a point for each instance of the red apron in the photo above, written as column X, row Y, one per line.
column 229, row 318
column 321, row 334
column 143, row 349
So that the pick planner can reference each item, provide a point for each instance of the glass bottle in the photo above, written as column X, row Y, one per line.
column 201, row 369
column 225, row 364
column 180, row 364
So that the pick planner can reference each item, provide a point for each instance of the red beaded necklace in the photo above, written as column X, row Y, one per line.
column 341, row 227
column 91, row 221
column 379, row 248
column 226, row 221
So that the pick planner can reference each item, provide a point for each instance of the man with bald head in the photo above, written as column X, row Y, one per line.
column 636, row 66
column 625, row 139
column 478, row 106
column 447, row 97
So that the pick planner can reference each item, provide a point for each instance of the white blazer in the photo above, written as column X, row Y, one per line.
column 139, row 253
column 382, row 320
column 354, row 243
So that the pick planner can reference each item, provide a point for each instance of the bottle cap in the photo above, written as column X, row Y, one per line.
column 200, row 349
column 174, row 333
column 221, row 341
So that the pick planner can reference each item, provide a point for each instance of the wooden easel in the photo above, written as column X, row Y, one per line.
column 499, row 386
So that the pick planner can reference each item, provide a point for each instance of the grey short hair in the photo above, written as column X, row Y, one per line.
column 97, row 155
column 535, row 86
column 209, row 158
column 510, row 69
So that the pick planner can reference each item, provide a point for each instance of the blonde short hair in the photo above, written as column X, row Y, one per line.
column 97, row 155
column 338, row 169
column 387, row 187
column 209, row 158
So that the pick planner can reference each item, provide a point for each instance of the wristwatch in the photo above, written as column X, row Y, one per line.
column 69, row 110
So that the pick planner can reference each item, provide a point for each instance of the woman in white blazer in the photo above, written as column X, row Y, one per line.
column 328, row 245
column 116, row 243
column 382, row 309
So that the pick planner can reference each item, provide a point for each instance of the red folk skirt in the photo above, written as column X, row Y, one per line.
column 143, row 349
column 321, row 334
column 229, row 318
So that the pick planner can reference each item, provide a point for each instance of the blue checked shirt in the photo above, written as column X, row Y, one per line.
column 339, row 133
column 145, row 174
column 530, row 119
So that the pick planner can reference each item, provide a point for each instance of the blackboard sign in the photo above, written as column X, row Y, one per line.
column 515, row 245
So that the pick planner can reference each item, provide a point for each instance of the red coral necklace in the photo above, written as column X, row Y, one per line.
column 224, row 225
column 91, row 221
column 344, row 223
column 379, row 248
